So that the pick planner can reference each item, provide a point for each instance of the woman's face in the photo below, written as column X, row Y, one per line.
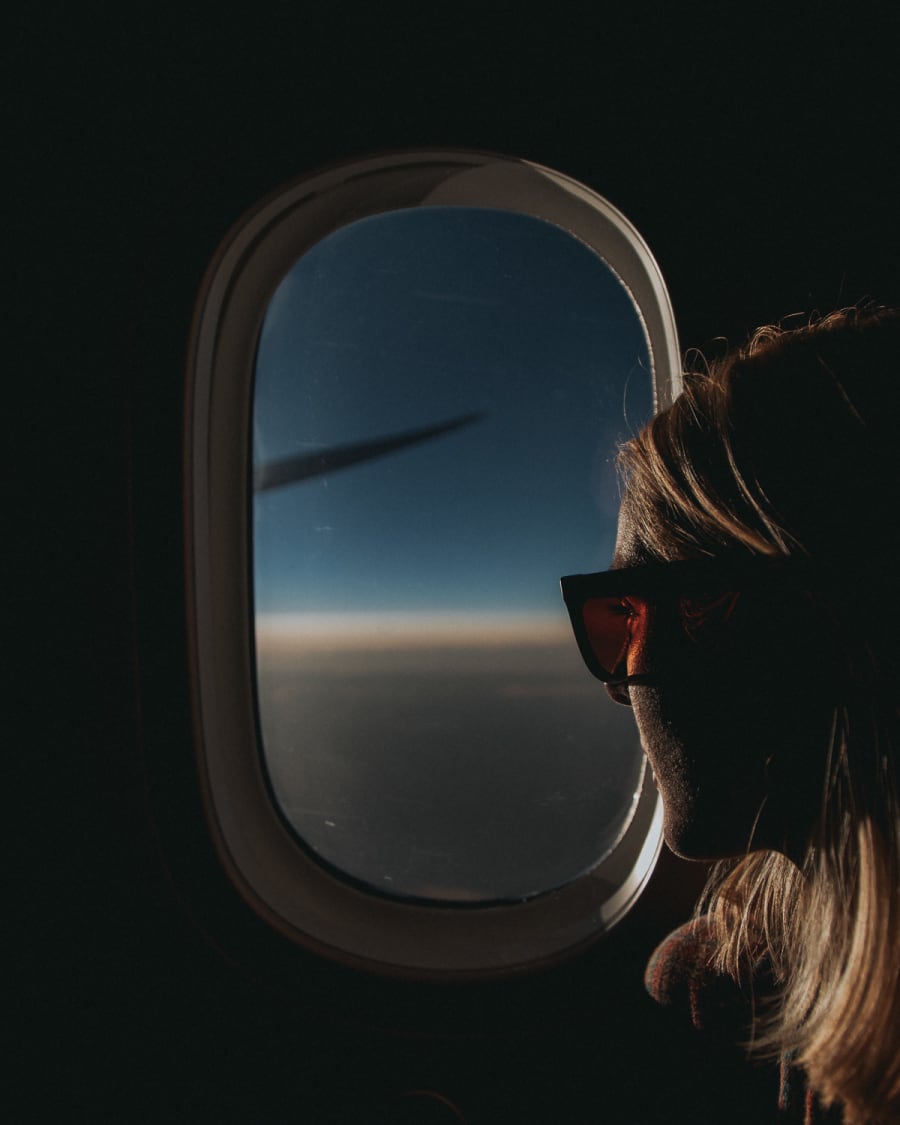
column 736, row 732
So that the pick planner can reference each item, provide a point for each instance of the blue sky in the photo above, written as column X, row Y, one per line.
column 407, row 320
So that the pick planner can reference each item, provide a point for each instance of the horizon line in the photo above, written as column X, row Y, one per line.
column 403, row 629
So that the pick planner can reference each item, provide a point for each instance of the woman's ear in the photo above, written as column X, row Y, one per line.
column 618, row 693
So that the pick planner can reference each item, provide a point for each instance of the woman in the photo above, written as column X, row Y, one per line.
column 752, row 622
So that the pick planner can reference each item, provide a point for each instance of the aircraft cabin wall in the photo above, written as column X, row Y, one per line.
column 755, row 167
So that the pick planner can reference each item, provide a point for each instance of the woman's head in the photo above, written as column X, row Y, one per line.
column 786, row 739
column 786, row 448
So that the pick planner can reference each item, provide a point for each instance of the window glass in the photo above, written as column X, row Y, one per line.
column 438, row 397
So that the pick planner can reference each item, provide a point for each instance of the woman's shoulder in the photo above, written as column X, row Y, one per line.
column 682, row 977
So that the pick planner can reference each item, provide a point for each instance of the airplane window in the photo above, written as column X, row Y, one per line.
column 406, row 379
column 438, row 397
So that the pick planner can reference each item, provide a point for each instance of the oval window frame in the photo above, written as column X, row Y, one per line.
column 275, row 875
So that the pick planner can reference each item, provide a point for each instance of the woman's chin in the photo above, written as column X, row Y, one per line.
column 704, row 838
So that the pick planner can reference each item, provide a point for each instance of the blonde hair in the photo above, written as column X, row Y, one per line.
column 787, row 447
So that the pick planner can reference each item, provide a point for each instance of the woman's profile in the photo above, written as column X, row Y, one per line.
column 752, row 622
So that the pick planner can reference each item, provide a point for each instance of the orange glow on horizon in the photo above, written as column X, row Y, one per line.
column 372, row 631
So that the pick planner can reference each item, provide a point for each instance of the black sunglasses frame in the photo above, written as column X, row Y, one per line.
column 659, row 581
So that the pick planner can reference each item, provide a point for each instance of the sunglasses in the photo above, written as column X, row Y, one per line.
column 611, row 611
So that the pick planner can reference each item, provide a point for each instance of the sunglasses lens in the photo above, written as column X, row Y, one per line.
column 687, row 599
column 610, row 625
column 613, row 626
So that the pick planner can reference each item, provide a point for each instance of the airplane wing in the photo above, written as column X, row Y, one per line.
column 289, row 470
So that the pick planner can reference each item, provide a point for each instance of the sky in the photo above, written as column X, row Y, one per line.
column 410, row 319
column 428, row 725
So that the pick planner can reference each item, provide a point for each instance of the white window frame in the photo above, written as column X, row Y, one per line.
column 279, row 878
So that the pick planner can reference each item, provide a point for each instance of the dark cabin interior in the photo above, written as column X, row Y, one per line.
column 755, row 152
